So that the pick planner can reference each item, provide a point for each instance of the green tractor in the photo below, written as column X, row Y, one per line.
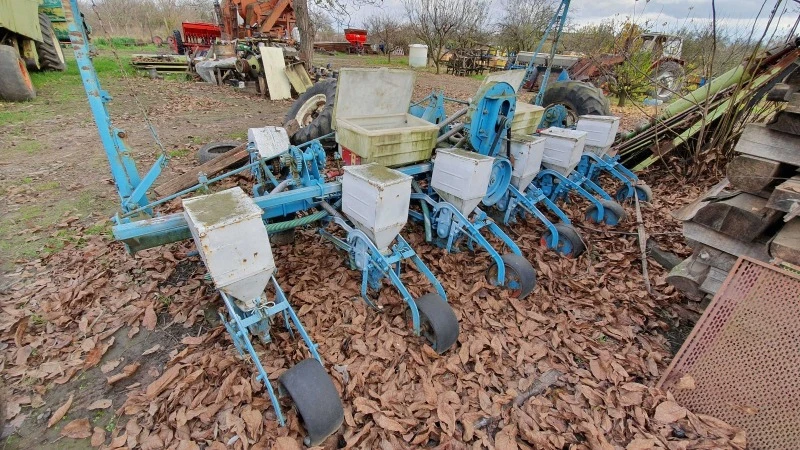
column 27, row 42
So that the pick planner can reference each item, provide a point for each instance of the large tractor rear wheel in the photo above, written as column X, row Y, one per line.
column 578, row 98
column 50, row 55
column 668, row 79
column 312, row 113
column 15, row 82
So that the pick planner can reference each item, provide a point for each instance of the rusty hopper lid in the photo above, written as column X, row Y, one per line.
column 373, row 92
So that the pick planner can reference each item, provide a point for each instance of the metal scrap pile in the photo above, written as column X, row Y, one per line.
column 731, row 94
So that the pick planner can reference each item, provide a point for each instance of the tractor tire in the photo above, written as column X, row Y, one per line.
column 178, row 46
column 214, row 149
column 312, row 113
column 50, row 55
column 668, row 80
column 15, row 81
column 578, row 97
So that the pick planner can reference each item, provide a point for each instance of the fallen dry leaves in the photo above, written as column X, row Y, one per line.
column 60, row 412
column 589, row 319
column 77, row 429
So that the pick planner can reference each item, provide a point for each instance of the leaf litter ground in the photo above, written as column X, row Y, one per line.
column 119, row 351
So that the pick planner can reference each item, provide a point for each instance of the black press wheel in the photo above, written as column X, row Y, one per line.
column 213, row 149
column 578, row 98
column 312, row 113
column 438, row 322
column 569, row 241
column 613, row 213
column 315, row 398
column 520, row 275
column 643, row 192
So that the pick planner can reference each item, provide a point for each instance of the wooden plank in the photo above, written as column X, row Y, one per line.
column 298, row 77
column 186, row 180
column 698, row 233
column 753, row 174
column 713, row 280
column 274, row 65
column 295, row 80
column 786, row 122
column 664, row 258
column 688, row 211
column 758, row 140
column 688, row 276
column 714, row 257
column 743, row 216
column 786, row 245
column 785, row 195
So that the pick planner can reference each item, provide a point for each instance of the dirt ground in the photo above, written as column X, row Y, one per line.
column 80, row 313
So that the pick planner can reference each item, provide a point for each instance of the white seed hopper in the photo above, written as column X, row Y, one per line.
column 600, row 132
column 562, row 149
column 376, row 199
column 461, row 177
column 526, row 157
column 232, row 240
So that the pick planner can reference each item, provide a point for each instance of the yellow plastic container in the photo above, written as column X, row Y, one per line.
column 371, row 117
column 526, row 118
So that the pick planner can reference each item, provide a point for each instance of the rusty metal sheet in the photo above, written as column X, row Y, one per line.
column 744, row 356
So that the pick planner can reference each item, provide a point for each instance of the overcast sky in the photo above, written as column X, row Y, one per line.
column 662, row 15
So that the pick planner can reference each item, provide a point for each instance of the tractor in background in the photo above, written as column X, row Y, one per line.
column 27, row 42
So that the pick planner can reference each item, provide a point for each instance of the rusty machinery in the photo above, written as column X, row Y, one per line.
column 255, row 18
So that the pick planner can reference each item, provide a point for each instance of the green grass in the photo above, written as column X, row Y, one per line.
column 178, row 153
column 237, row 135
column 383, row 60
column 15, row 245
column 58, row 92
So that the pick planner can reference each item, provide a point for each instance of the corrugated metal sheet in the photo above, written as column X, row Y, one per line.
column 744, row 356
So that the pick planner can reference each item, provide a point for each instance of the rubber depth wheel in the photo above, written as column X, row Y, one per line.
column 15, row 81
column 668, row 80
column 213, row 149
column 438, row 322
column 569, row 241
column 315, row 398
column 313, row 112
column 613, row 213
column 643, row 191
column 578, row 97
column 50, row 55
column 520, row 275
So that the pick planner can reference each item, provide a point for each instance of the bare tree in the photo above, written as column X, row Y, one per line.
column 390, row 31
column 322, row 23
column 436, row 22
column 306, row 28
column 523, row 22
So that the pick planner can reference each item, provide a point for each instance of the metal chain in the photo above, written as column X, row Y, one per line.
column 127, row 82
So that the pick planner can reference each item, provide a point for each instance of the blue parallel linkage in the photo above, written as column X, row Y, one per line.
column 450, row 225
column 376, row 265
column 256, row 322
